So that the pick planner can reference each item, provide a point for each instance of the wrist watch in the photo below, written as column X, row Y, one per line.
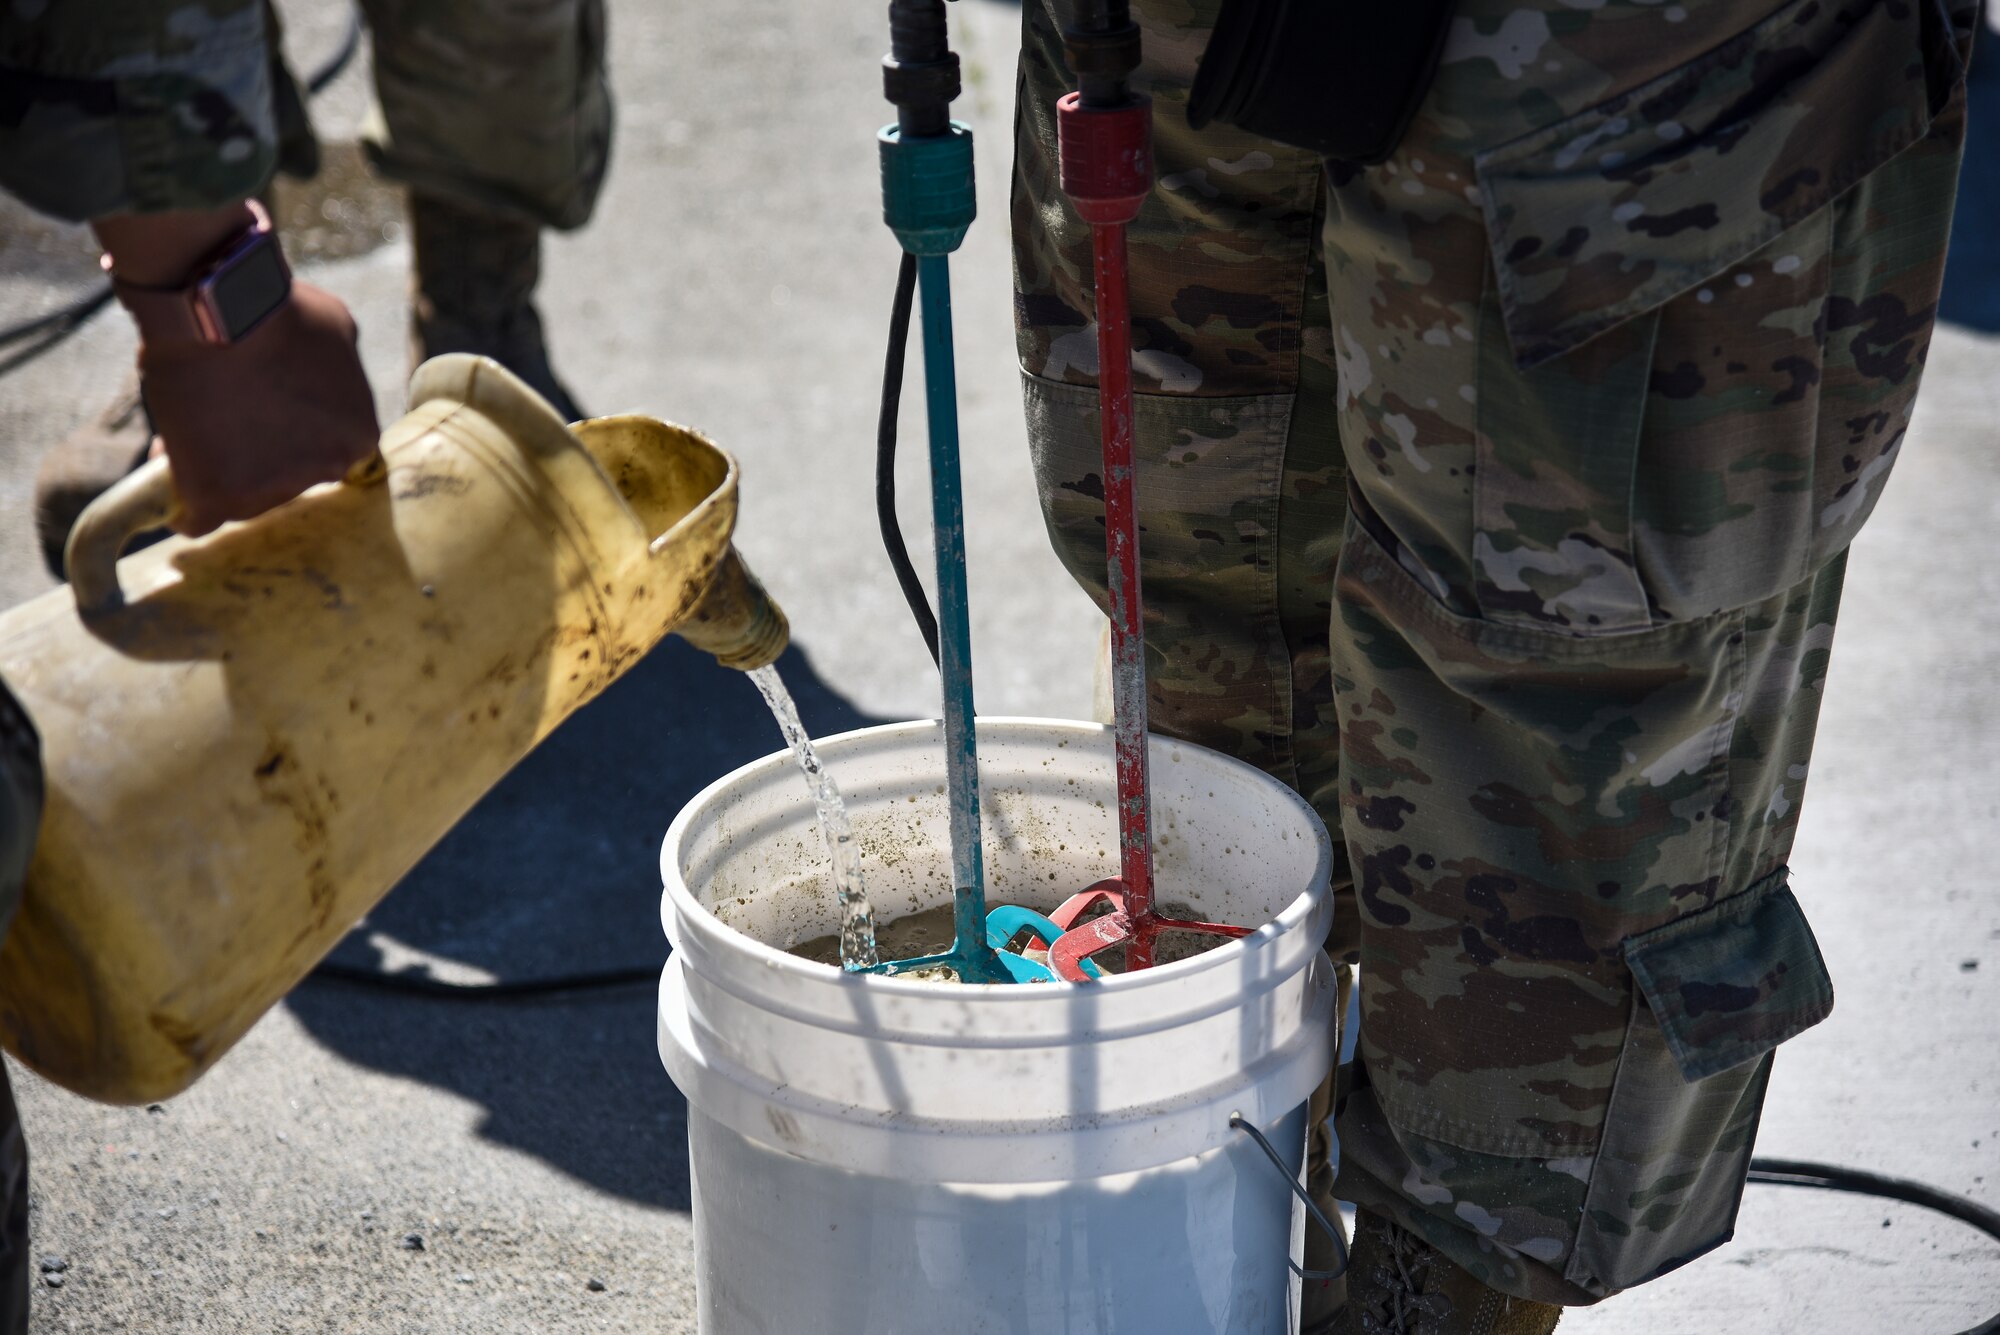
column 234, row 289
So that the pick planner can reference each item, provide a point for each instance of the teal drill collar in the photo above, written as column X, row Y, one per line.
column 927, row 196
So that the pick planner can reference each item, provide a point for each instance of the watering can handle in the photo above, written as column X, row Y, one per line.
column 140, row 501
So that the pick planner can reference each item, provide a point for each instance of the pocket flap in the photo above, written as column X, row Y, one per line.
column 1732, row 982
column 1615, row 210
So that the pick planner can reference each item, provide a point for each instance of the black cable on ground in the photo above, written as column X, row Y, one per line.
column 885, row 456
column 517, row 989
column 30, row 340
column 1832, row 1177
column 350, row 42
column 60, row 323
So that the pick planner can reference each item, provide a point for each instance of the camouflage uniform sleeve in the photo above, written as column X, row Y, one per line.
column 134, row 106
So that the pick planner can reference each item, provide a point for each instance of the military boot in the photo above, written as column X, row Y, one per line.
column 472, row 289
column 1323, row 1293
column 1323, row 1300
column 1398, row 1284
column 298, row 146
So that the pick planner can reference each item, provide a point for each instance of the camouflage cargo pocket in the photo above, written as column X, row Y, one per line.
column 1706, row 320
column 1715, row 992
column 1616, row 210
column 1210, row 475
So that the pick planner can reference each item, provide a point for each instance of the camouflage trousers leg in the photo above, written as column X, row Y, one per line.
column 1627, row 336
column 497, row 104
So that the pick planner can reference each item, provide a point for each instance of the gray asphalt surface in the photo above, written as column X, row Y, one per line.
column 738, row 278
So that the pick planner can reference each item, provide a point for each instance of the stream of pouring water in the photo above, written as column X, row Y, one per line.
column 857, row 919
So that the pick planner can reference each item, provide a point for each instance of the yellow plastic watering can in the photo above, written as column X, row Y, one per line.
column 251, row 736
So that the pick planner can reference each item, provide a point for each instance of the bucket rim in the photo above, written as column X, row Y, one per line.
column 679, row 903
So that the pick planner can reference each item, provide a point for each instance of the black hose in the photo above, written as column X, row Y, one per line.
column 504, row 990
column 330, row 69
column 60, row 323
column 1832, row 1177
column 63, row 321
column 885, row 457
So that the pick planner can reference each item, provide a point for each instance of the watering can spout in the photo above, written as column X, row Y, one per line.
column 736, row 620
column 251, row 736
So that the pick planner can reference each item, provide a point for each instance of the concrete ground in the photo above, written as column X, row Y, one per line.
column 738, row 278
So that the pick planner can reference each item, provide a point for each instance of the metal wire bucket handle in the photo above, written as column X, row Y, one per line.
column 1237, row 1120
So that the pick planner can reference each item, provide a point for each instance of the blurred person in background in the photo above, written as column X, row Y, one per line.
column 496, row 116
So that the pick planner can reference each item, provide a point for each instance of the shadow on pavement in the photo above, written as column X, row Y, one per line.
column 556, row 871
column 1972, row 273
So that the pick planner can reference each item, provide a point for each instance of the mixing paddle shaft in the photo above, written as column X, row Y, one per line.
column 1105, row 136
column 927, row 199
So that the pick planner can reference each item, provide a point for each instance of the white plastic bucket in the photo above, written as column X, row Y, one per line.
column 886, row 1156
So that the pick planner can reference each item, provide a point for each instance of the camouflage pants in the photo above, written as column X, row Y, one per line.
column 151, row 105
column 1498, row 498
column 496, row 102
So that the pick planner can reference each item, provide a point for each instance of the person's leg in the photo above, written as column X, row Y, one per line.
column 298, row 146
column 1629, row 328
column 497, row 116
column 1322, row 1297
column 1241, row 487
column 473, row 274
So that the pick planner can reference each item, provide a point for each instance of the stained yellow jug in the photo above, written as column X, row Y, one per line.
column 251, row 736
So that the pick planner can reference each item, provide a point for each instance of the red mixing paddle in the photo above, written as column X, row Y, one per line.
column 1104, row 132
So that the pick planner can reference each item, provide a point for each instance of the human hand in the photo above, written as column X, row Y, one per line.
column 251, row 424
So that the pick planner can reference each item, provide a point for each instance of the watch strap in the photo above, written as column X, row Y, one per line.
column 164, row 315
column 188, row 312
